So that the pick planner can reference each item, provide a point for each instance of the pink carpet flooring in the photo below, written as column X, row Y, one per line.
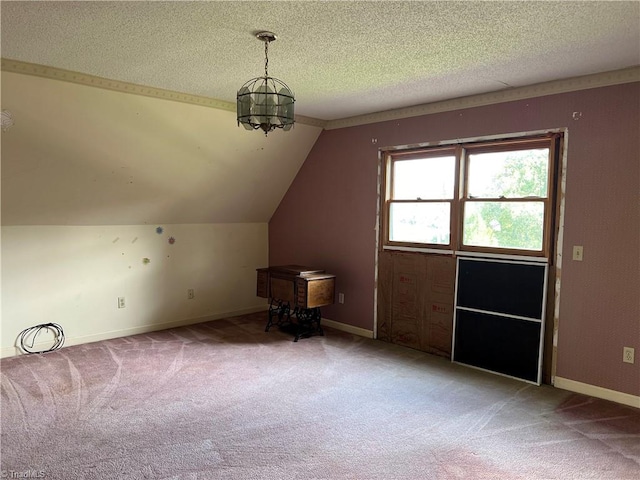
column 225, row 400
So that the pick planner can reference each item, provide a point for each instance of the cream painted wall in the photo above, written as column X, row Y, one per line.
column 73, row 275
column 89, row 174
column 80, row 155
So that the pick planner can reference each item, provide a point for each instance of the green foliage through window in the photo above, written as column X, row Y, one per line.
column 520, row 174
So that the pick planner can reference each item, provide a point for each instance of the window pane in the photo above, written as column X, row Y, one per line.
column 427, row 178
column 517, row 225
column 514, row 174
column 420, row 222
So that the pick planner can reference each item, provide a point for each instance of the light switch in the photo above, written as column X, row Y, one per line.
column 577, row 252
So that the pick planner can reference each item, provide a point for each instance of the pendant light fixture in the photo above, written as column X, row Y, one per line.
column 265, row 103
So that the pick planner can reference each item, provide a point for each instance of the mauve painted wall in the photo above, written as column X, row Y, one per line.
column 328, row 217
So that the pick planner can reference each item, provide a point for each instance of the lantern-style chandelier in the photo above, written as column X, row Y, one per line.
column 265, row 102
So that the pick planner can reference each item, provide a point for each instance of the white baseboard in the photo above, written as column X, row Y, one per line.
column 599, row 392
column 14, row 351
column 362, row 332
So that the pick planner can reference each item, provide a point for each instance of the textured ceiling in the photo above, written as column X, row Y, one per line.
column 341, row 58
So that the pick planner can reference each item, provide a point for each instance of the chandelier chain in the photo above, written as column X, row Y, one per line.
column 266, row 58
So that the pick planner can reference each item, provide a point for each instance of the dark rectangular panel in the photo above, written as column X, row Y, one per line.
column 504, row 345
column 510, row 288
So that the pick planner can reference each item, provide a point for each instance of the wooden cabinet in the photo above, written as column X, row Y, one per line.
column 296, row 291
column 297, row 285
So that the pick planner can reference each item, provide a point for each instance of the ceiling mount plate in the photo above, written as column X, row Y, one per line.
column 266, row 36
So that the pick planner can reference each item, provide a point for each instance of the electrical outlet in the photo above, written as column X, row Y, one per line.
column 191, row 294
column 628, row 354
column 577, row 253
column 341, row 298
column 121, row 303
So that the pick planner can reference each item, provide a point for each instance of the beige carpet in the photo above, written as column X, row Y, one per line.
column 225, row 400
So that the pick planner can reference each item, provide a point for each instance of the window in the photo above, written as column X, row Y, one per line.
column 422, row 192
column 491, row 197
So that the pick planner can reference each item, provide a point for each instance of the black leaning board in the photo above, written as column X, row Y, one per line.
column 509, row 288
column 505, row 345
column 493, row 339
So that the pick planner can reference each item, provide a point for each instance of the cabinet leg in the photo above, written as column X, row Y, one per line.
column 308, row 323
column 279, row 309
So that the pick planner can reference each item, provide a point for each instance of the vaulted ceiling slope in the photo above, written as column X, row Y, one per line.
column 78, row 155
column 342, row 58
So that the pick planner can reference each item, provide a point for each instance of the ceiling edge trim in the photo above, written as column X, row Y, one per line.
column 54, row 73
column 616, row 77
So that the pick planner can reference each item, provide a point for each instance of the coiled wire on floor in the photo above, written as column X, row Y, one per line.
column 31, row 333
